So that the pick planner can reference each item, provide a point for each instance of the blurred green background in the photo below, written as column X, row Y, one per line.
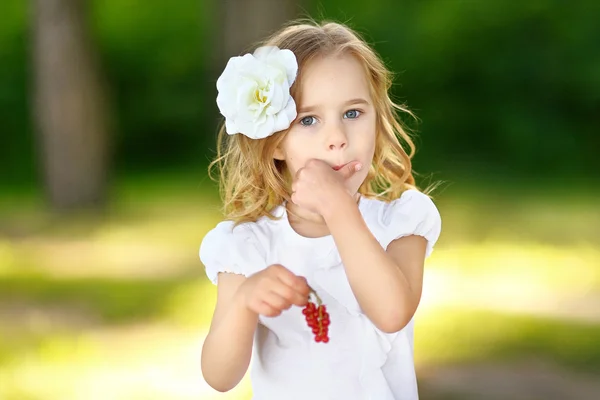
column 102, row 296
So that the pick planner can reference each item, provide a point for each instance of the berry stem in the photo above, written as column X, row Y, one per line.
column 320, row 321
column 319, row 301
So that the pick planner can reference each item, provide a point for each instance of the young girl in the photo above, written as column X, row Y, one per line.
column 321, row 207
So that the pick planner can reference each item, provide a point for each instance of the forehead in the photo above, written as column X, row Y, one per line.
column 333, row 79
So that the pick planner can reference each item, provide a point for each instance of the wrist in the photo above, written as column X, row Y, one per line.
column 241, row 303
column 341, row 207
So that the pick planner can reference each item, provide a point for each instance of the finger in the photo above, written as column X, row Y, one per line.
column 276, row 301
column 296, row 282
column 350, row 169
column 286, row 276
column 265, row 309
column 303, row 288
column 291, row 294
column 297, row 175
column 277, row 268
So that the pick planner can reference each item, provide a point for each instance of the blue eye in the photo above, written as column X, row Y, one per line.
column 307, row 121
column 352, row 114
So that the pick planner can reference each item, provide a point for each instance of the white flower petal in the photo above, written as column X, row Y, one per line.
column 278, row 99
column 252, row 128
column 281, row 122
column 286, row 117
column 284, row 60
column 291, row 65
column 264, row 53
column 290, row 110
column 230, row 127
column 245, row 93
column 232, row 70
column 265, row 129
column 225, row 104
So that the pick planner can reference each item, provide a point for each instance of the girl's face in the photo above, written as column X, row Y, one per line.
column 336, row 120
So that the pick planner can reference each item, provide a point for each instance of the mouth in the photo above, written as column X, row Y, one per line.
column 338, row 167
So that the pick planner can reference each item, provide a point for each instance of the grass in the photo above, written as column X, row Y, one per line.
column 458, row 336
column 115, row 305
column 108, row 301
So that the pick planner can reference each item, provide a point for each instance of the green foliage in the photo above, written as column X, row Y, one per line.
column 17, row 159
column 508, row 85
column 156, row 59
column 500, row 86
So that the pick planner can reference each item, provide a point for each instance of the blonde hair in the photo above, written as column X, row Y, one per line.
column 252, row 182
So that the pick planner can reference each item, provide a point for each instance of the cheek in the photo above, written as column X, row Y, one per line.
column 293, row 160
column 372, row 147
column 297, row 152
column 365, row 139
column 292, row 165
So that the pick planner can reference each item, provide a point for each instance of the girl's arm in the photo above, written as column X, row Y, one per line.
column 228, row 346
column 387, row 285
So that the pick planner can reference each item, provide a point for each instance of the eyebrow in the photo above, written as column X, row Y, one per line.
column 349, row 102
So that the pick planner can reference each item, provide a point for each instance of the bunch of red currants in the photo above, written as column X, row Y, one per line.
column 317, row 318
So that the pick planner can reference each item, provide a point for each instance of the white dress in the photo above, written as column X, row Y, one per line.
column 359, row 361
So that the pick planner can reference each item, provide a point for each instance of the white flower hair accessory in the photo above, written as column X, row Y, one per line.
column 254, row 92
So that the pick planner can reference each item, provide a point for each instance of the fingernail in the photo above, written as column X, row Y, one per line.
column 358, row 167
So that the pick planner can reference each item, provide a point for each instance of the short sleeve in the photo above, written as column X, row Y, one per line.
column 231, row 249
column 414, row 213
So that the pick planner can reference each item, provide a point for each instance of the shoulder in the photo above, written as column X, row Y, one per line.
column 236, row 248
column 412, row 203
column 413, row 213
column 226, row 231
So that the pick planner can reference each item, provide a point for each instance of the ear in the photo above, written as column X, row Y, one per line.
column 278, row 154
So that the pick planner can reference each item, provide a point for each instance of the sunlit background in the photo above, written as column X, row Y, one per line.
column 108, row 120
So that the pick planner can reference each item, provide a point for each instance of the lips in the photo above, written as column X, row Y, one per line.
column 338, row 167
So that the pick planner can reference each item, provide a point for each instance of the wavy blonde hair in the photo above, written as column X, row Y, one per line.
column 252, row 182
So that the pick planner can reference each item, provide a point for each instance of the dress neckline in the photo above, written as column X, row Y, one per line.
column 285, row 221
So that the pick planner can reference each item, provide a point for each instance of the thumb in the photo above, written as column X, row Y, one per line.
column 350, row 169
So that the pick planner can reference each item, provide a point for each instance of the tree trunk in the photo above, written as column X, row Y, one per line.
column 70, row 111
column 244, row 22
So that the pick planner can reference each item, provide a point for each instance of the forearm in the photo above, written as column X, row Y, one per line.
column 227, row 349
column 380, row 287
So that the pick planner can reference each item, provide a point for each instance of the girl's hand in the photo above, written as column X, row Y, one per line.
column 317, row 185
column 273, row 290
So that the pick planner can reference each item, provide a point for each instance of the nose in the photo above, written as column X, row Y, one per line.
column 337, row 138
